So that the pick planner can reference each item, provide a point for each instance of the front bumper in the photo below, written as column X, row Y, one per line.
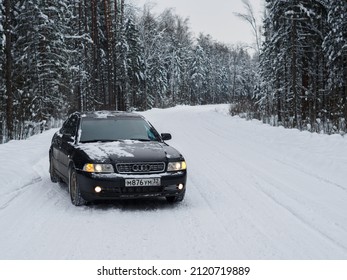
column 113, row 185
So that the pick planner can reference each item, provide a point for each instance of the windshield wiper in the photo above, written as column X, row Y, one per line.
column 99, row 140
column 141, row 139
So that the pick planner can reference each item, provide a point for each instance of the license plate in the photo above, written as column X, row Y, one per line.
column 142, row 182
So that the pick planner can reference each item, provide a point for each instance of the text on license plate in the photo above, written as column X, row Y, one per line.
column 142, row 182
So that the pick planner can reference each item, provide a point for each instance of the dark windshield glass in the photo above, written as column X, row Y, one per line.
column 116, row 129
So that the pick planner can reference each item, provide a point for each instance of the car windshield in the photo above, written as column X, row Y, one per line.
column 116, row 129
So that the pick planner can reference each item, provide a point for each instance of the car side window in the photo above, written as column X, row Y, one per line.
column 70, row 126
column 150, row 134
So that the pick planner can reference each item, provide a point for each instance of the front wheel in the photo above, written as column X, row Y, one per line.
column 75, row 192
column 53, row 175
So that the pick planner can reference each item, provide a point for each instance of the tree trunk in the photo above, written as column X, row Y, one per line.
column 294, row 73
column 8, row 71
column 109, row 42
column 345, row 86
column 95, row 37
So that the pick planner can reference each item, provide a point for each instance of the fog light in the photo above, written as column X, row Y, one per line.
column 98, row 189
column 180, row 186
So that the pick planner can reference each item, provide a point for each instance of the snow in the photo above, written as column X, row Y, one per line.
column 100, row 150
column 253, row 192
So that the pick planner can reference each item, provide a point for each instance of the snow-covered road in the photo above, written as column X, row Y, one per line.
column 254, row 192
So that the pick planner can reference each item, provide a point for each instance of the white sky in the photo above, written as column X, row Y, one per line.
column 213, row 17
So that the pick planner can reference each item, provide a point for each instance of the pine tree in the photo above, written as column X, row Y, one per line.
column 154, row 48
column 197, row 74
column 8, row 96
column 134, row 63
column 335, row 48
column 79, row 41
column 42, row 67
column 2, row 88
column 292, row 62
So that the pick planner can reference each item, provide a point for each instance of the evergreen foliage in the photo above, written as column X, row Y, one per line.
column 303, row 65
column 61, row 56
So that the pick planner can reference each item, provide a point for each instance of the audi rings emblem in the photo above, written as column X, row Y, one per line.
column 141, row 168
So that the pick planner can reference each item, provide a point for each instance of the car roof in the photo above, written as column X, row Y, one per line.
column 109, row 114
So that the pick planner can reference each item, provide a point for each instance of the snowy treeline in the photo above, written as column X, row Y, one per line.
column 304, row 65
column 66, row 55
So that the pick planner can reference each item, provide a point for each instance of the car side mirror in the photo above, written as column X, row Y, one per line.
column 166, row 136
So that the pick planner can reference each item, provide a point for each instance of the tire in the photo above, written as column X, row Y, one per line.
column 176, row 198
column 53, row 175
column 75, row 193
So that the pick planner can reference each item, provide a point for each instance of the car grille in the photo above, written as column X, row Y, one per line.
column 140, row 168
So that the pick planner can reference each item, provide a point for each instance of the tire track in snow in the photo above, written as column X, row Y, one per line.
column 211, row 212
column 306, row 172
column 255, row 173
column 212, row 127
column 216, row 222
column 301, row 218
column 17, row 192
column 273, row 182
column 252, row 170
column 247, row 227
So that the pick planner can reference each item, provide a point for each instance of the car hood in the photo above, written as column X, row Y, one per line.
column 129, row 151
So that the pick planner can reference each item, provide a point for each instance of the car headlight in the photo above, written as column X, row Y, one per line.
column 98, row 168
column 177, row 166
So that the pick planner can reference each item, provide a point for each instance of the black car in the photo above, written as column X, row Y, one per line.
column 115, row 155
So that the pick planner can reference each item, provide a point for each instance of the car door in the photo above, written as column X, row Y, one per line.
column 69, row 133
column 55, row 151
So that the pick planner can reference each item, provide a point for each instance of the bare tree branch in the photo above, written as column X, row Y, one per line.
column 249, row 17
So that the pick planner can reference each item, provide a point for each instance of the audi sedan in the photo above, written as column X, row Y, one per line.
column 115, row 155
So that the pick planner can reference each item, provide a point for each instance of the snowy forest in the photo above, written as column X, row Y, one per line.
column 303, row 65
column 57, row 57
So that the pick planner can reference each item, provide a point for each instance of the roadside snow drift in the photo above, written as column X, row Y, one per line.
column 254, row 192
